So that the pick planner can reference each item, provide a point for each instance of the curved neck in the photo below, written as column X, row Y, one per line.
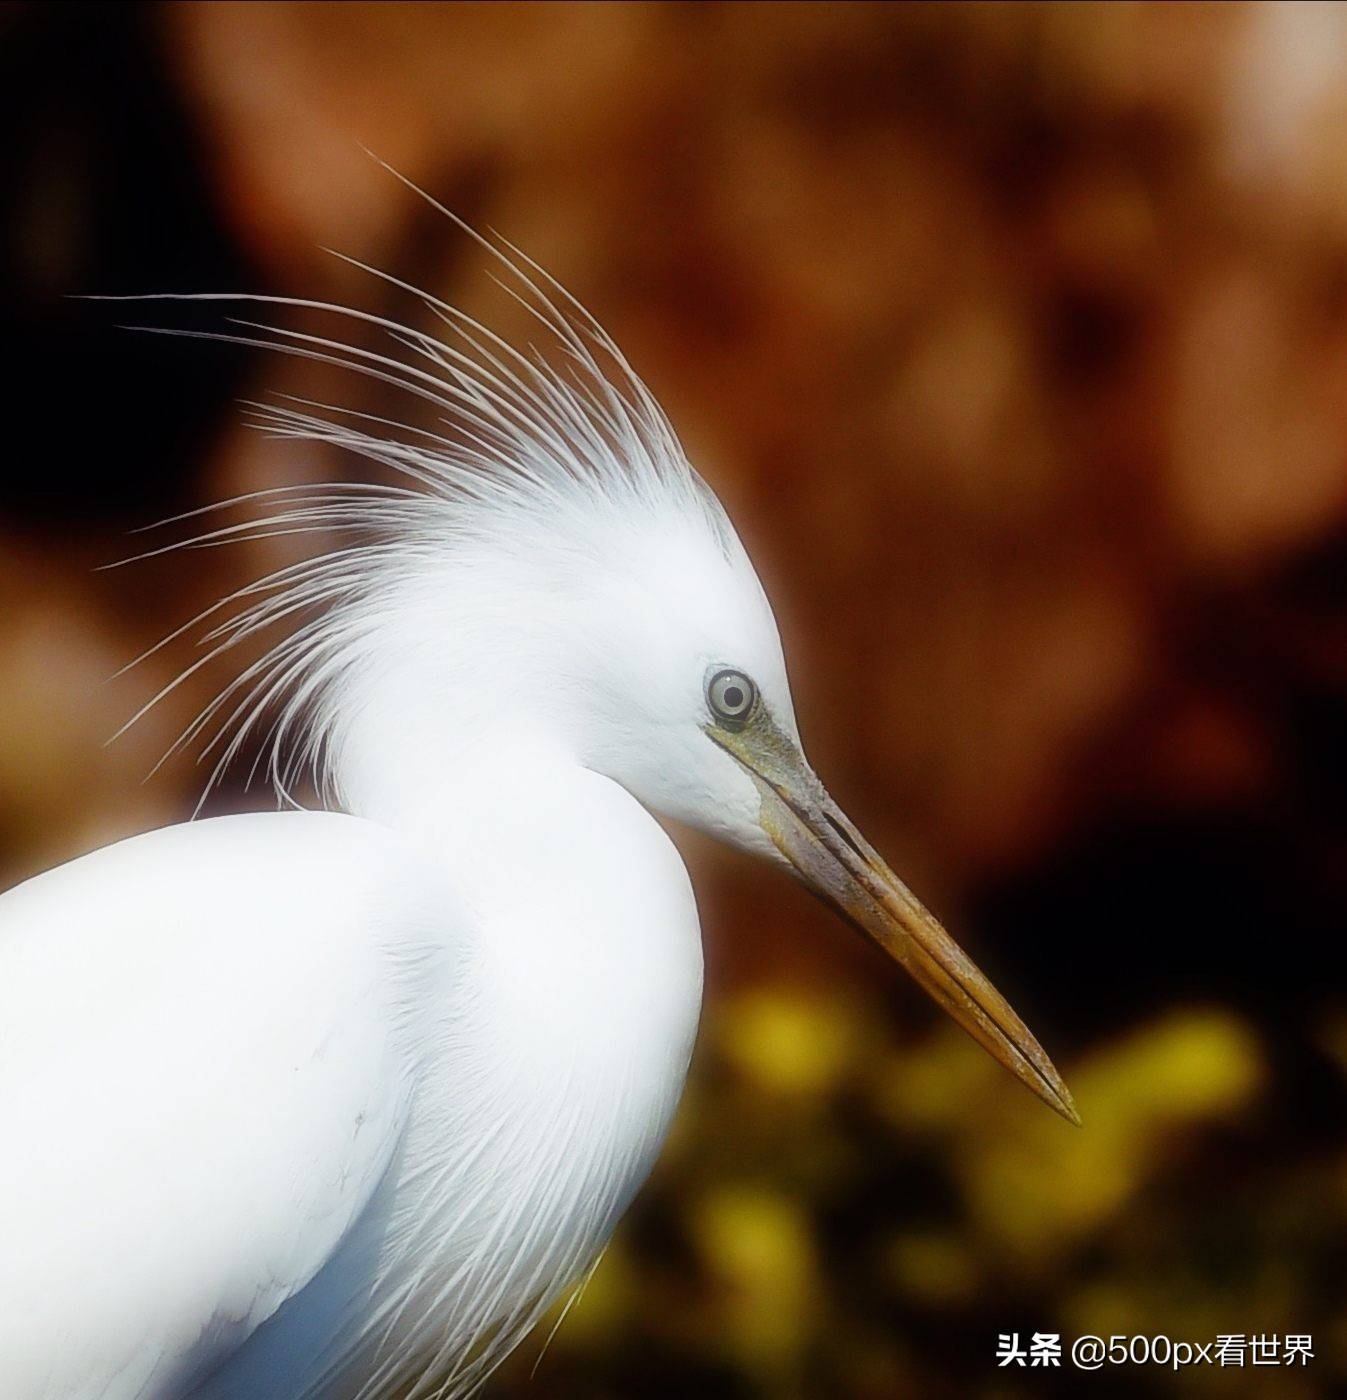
column 585, row 947
column 542, row 848
column 462, row 793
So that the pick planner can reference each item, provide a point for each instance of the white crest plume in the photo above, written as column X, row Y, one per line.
column 535, row 454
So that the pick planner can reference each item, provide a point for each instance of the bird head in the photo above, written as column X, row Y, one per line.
column 687, row 705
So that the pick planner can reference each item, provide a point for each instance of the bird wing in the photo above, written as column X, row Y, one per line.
column 204, row 1072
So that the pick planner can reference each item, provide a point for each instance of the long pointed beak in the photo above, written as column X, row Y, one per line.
column 836, row 862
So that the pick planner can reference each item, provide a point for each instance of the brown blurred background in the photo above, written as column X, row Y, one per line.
column 1015, row 340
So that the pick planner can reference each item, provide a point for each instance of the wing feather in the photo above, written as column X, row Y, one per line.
column 202, row 1082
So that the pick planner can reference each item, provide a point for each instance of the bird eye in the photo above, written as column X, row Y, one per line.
column 732, row 696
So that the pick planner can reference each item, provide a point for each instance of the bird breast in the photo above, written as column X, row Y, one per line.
column 556, row 1059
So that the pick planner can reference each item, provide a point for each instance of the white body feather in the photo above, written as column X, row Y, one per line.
column 291, row 1108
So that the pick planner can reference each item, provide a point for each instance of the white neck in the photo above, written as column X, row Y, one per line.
column 588, row 943
column 547, row 1083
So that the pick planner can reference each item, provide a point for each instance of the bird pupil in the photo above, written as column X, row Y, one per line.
column 734, row 697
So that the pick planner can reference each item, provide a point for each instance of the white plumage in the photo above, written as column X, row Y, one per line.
column 316, row 1104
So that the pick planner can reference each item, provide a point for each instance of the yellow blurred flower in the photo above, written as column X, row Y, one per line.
column 757, row 1245
column 937, row 1085
column 1037, row 1184
column 934, row 1269
column 789, row 1041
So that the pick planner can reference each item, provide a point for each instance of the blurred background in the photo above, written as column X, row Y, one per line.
column 1015, row 339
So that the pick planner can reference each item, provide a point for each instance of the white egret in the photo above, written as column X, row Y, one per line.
column 327, row 1103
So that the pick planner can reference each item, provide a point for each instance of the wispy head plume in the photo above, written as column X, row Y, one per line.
column 541, row 446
